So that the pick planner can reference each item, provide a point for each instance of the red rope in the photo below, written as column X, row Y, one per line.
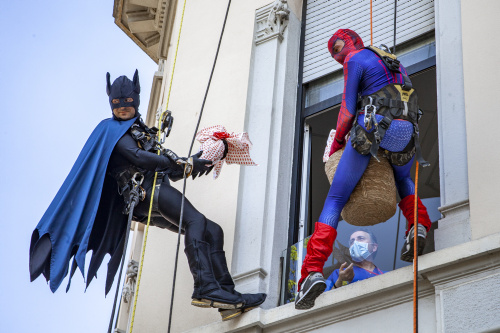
column 371, row 23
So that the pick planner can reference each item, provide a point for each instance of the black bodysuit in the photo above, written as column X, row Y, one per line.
column 195, row 225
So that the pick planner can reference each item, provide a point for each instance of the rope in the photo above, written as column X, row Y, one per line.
column 139, row 274
column 189, row 154
column 397, row 236
column 127, row 232
column 371, row 22
column 395, row 11
column 415, row 203
column 415, row 210
column 415, row 255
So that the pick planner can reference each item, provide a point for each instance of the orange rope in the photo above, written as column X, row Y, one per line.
column 371, row 23
column 415, row 255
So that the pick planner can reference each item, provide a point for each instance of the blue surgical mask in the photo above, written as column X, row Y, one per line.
column 359, row 251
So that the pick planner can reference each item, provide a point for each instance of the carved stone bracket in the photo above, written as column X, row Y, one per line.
column 271, row 21
column 130, row 280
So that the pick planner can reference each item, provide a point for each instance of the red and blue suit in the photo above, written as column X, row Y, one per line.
column 364, row 74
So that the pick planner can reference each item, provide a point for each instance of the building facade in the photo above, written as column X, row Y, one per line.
column 275, row 79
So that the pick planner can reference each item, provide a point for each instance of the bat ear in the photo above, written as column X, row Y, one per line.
column 108, row 84
column 137, row 86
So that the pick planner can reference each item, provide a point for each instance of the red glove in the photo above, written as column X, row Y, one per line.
column 336, row 146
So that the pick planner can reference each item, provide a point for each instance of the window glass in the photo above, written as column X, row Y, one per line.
column 322, row 88
column 390, row 237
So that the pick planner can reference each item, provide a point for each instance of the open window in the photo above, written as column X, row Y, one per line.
column 315, row 185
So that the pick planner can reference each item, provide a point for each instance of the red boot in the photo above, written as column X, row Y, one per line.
column 424, row 224
column 319, row 248
column 407, row 204
column 312, row 283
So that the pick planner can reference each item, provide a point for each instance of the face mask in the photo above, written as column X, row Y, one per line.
column 352, row 42
column 359, row 251
column 123, row 88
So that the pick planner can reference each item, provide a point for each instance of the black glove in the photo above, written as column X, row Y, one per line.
column 175, row 171
column 200, row 166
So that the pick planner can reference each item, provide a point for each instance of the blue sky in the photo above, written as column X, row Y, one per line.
column 54, row 56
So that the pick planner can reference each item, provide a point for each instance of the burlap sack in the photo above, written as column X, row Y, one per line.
column 374, row 197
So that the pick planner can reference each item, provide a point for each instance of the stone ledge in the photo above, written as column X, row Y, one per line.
column 376, row 293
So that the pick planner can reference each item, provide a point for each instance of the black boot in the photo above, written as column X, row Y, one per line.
column 223, row 276
column 207, row 292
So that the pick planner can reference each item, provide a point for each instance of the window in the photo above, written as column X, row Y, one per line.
column 314, row 184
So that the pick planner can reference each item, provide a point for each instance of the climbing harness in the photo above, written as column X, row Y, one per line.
column 147, row 139
column 132, row 193
column 125, row 180
column 394, row 101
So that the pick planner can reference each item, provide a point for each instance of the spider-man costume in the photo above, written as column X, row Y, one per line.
column 364, row 74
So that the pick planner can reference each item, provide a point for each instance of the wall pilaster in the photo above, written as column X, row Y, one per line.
column 452, row 131
column 264, row 191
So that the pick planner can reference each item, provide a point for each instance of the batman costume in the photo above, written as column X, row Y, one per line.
column 87, row 211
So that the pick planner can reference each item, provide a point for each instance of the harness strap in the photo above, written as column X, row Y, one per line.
column 144, row 138
column 408, row 85
column 382, row 127
column 379, row 133
column 156, row 194
column 389, row 103
column 392, row 63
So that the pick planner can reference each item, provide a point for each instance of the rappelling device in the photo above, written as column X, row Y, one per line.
column 166, row 123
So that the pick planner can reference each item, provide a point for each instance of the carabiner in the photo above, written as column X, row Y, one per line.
column 137, row 179
column 367, row 118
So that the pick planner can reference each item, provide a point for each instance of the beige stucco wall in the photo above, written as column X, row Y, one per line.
column 225, row 105
column 442, row 272
column 481, row 47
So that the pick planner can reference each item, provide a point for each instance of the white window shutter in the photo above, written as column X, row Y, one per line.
column 324, row 17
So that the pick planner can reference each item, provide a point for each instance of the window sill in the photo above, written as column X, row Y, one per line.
column 470, row 260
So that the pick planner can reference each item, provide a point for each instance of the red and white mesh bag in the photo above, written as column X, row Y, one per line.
column 329, row 142
column 212, row 145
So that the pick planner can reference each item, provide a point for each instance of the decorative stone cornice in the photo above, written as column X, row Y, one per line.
column 257, row 271
column 148, row 23
column 454, row 206
column 271, row 21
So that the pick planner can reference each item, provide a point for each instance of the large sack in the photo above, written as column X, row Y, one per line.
column 374, row 197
